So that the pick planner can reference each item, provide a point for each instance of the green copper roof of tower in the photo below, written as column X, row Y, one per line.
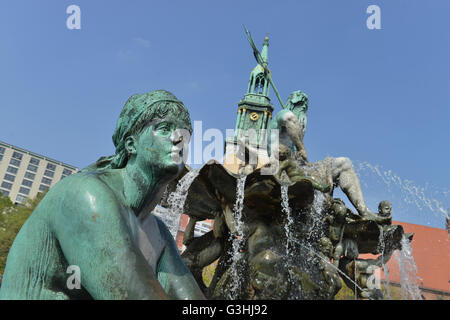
column 258, row 86
column 255, row 109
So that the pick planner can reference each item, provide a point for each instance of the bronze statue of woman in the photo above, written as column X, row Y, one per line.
column 98, row 219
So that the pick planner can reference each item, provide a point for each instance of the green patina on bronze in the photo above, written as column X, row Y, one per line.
column 98, row 219
column 255, row 109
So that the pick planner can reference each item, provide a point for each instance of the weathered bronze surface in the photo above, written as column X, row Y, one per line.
column 299, row 244
column 98, row 219
column 308, row 262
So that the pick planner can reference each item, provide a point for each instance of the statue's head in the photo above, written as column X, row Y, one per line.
column 384, row 208
column 297, row 102
column 339, row 208
column 151, row 131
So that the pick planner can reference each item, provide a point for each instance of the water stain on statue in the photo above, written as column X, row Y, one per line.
column 95, row 216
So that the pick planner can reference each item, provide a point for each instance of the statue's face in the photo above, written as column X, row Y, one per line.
column 385, row 209
column 340, row 209
column 161, row 145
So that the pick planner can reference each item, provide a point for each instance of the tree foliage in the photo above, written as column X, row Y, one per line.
column 208, row 273
column 12, row 217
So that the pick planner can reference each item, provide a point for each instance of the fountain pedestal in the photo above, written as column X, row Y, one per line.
column 277, row 239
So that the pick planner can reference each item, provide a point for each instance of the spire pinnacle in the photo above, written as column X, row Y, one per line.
column 265, row 50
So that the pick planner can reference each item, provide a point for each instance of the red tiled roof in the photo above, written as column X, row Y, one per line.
column 431, row 252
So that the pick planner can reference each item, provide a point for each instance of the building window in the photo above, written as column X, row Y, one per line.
column 32, row 168
column 1, row 157
column 17, row 155
column 6, row 185
column 49, row 173
column 12, row 170
column 51, row 166
column 43, row 188
column 34, row 161
column 62, row 177
column 29, row 175
column 4, row 193
column 2, row 150
column 15, row 162
column 202, row 228
column 46, row 180
column 27, row 183
column 21, row 199
column 24, row 190
column 67, row 172
column 9, row 177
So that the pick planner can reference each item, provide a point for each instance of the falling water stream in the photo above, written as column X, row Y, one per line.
column 290, row 240
column 408, row 269
column 237, row 240
column 289, row 220
column 408, row 272
column 317, row 209
column 176, row 201
column 409, row 200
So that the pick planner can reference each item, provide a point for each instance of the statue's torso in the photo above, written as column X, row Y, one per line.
column 148, row 238
column 37, row 267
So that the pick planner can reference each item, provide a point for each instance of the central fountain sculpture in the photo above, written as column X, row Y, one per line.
column 278, row 231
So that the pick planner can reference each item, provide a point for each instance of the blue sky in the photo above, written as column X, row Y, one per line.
column 376, row 96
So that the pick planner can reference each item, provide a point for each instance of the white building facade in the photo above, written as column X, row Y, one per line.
column 23, row 174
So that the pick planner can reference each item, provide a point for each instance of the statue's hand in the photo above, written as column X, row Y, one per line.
column 369, row 215
column 294, row 174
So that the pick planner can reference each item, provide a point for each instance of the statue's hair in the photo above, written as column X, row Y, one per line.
column 161, row 110
column 296, row 97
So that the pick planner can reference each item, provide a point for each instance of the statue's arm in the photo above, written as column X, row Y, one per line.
column 288, row 120
column 93, row 235
column 294, row 130
column 174, row 276
column 189, row 231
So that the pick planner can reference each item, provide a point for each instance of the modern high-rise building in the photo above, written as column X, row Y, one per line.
column 23, row 174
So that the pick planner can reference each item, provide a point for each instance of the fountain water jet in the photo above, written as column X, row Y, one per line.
column 280, row 241
column 237, row 239
column 176, row 200
column 289, row 220
column 405, row 194
column 408, row 272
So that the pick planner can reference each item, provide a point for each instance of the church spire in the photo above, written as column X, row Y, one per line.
column 259, row 82
column 265, row 50
column 254, row 110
